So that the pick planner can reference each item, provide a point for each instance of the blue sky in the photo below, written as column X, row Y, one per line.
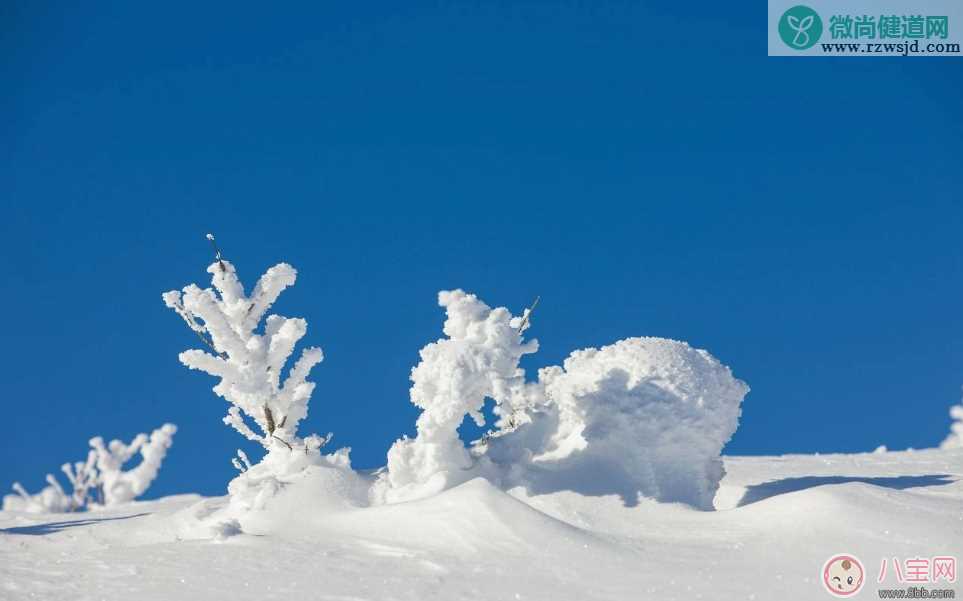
column 646, row 170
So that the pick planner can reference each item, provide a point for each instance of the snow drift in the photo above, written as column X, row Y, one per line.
column 785, row 516
column 644, row 415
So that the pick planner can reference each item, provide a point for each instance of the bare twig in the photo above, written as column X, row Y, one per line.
column 528, row 313
column 284, row 442
column 217, row 252
column 271, row 426
column 210, row 345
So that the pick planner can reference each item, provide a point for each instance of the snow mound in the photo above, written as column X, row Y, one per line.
column 643, row 415
column 282, row 493
column 472, row 518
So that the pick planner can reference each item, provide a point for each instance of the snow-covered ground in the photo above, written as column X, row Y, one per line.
column 777, row 520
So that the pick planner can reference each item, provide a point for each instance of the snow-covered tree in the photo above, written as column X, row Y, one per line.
column 478, row 360
column 249, row 363
column 955, row 439
column 100, row 479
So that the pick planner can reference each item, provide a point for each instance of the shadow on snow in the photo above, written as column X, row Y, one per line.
column 758, row 492
column 52, row 527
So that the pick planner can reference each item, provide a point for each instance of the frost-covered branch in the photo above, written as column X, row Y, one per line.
column 241, row 462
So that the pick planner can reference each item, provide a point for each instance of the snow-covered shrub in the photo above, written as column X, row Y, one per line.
column 478, row 360
column 82, row 476
column 643, row 416
column 100, row 479
column 249, row 364
column 955, row 439
column 646, row 415
column 117, row 486
column 51, row 499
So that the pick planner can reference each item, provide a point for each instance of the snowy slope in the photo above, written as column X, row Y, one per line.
column 777, row 520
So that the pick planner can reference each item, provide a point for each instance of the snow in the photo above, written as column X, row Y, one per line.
column 955, row 438
column 778, row 519
column 644, row 415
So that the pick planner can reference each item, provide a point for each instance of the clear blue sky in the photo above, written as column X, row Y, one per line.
column 799, row 218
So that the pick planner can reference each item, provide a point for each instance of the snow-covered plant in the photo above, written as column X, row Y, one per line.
column 478, row 360
column 249, row 363
column 955, row 439
column 643, row 415
column 99, row 480
column 51, row 499
column 85, row 480
column 249, row 357
column 82, row 476
column 118, row 486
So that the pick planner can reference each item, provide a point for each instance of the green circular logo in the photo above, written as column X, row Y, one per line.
column 800, row 27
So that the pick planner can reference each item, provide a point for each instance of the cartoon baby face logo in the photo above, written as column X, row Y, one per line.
column 843, row 575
